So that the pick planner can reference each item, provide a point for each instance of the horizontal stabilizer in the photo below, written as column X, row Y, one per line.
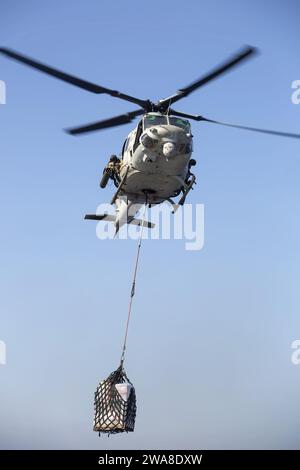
column 108, row 217
column 140, row 222
column 112, row 218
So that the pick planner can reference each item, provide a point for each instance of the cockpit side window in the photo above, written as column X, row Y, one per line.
column 123, row 148
column 139, row 132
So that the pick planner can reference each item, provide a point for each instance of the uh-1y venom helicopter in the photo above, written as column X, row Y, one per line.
column 155, row 164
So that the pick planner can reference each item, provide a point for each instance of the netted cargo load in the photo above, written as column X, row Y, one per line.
column 115, row 404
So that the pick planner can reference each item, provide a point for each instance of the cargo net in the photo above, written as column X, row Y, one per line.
column 115, row 404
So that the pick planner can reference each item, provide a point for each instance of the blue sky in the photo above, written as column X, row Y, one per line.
column 210, row 340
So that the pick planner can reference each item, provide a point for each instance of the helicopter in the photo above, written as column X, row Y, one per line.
column 155, row 164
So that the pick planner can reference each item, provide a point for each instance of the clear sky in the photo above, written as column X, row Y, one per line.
column 210, row 340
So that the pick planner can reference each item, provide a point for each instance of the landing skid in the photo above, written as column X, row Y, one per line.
column 120, row 186
column 187, row 190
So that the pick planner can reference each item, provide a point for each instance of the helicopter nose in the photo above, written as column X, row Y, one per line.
column 169, row 149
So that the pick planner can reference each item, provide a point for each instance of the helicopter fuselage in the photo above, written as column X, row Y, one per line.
column 155, row 159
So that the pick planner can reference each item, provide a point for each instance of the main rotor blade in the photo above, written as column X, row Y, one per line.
column 254, row 129
column 236, row 59
column 247, row 128
column 195, row 117
column 104, row 124
column 92, row 87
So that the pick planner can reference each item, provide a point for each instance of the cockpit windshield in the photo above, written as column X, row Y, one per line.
column 154, row 120
column 157, row 120
column 183, row 123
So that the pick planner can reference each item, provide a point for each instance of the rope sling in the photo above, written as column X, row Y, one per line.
column 133, row 286
column 115, row 399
